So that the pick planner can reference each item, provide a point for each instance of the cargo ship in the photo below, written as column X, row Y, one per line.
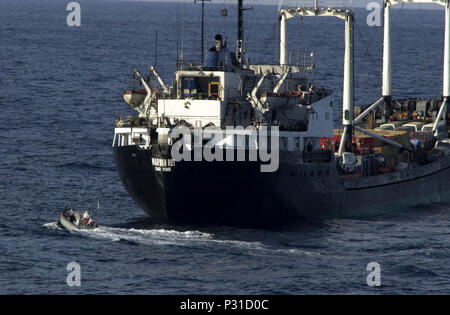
column 234, row 143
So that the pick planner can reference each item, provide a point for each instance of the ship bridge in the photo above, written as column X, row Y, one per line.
column 201, row 96
column 207, row 85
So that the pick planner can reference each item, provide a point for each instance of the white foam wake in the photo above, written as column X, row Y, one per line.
column 147, row 237
column 164, row 237
column 52, row 226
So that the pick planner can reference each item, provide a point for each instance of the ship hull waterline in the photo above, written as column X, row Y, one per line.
column 239, row 194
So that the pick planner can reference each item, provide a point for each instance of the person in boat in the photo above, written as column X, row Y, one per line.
column 86, row 217
column 64, row 213
column 70, row 215
column 219, row 56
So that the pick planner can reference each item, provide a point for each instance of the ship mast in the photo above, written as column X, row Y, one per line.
column 386, row 91
column 386, row 88
column 446, row 84
column 283, row 39
column 203, row 28
column 240, row 34
column 347, row 96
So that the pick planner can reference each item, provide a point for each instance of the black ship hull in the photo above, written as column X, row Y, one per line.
column 239, row 194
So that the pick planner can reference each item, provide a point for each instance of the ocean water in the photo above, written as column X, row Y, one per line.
column 60, row 89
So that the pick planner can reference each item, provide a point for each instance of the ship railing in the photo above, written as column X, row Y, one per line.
column 249, row 138
column 194, row 65
column 132, row 121
column 132, row 136
column 409, row 109
column 188, row 65
column 200, row 96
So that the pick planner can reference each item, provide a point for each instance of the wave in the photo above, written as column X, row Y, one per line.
column 149, row 237
column 52, row 226
column 85, row 165
column 297, row 251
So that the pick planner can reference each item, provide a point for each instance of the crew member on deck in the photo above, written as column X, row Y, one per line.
column 219, row 56
column 302, row 94
column 311, row 96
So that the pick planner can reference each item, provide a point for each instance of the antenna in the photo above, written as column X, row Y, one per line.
column 98, row 211
column 156, row 47
column 240, row 37
column 203, row 25
column 180, row 57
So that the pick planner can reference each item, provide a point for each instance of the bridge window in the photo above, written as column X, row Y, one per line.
column 201, row 88
column 214, row 90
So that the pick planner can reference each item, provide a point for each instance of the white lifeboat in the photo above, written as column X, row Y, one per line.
column 134, row 98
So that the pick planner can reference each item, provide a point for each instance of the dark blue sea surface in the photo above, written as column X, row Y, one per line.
column 60, row 89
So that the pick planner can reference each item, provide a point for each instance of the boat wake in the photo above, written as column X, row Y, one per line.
column 146, row 237
column 52, row 226
column 192, row 239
